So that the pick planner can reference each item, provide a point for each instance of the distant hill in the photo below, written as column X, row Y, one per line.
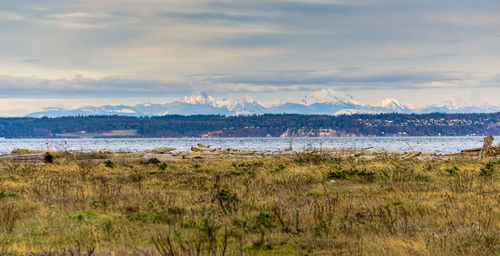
column 322, row 102
column 274, row 125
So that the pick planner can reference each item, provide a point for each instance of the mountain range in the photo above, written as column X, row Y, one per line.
column 322, row 102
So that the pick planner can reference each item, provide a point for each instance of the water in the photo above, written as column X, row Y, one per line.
column 432, row 144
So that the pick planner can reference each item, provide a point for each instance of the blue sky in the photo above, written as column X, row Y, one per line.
column 72, row 53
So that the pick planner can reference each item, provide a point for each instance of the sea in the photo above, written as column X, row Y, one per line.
column 427, row 144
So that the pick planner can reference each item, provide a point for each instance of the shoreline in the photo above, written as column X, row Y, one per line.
column 439, row 145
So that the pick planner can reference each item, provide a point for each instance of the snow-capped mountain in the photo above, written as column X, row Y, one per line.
column 393, row 105
column 454, row 105
column 330, row 96
column 325, row 102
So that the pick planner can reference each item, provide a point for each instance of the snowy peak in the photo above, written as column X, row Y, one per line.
column 393, row 105
column 455, row 104
column 322, row 102
column 389, row 103
column 329, row 96
column 203, row 98
column 238, row 104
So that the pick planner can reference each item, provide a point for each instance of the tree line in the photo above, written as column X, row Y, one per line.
column 274, row 125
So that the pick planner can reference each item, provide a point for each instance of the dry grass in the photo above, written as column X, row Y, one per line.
column 305, row 204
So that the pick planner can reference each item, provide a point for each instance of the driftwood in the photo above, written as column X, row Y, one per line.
column 38, row 156
column 471, row 150
column 486, row 147
column 200, row 149
column 162, row 150
column 202, row 146
column 290, row 148
column 486, row 150
column 412, row 155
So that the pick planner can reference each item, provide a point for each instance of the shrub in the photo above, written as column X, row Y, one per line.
column 280, row 167
column 228, row 201
column 109, row 164
column 262, row 223
column 48, row 158
column 7, row 195
column 162, row 166
column 422, row 178
column 452, row 170
column 489, row 168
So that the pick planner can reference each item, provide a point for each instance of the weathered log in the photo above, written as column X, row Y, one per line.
column 202, row 146
column 162, row 150
column 486, row 147
column 198, row 149
column 471, row 150
column 38, row 156
column 412, row 155
column 463, row 154
column 290, row 148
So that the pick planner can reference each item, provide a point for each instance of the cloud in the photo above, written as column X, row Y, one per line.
column 83, row 87
column 29, row 60
column 243, row 83
column 9, row 16
column 81, row 20
column 131, row 47
column 342, row 79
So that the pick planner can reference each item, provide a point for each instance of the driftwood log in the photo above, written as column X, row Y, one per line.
column 202, row 145
column 200, row 149
column 290, row 148
column 486, row 150
column 486, row 147
column 412, row 155
column 162, row 150
column 39, row 156
column 471, row 150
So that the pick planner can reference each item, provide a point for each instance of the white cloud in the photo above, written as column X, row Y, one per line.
column 242, row 47
column 9, row 16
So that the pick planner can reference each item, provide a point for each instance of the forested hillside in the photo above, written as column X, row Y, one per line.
column 254, row 126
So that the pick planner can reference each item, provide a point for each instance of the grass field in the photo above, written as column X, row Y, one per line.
column 113, row 133
column 304, row 204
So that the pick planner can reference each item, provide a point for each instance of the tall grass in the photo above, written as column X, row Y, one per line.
column 297, row 204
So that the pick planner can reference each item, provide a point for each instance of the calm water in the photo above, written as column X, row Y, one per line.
column 434, row 144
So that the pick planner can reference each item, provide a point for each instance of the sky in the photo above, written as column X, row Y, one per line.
column 73, row 53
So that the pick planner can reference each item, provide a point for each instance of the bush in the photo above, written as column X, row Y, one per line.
column 109, row 164
column 262, row 223
column 489, row 168
column 452, row 170
column 48, row 158
column 280, row 167
column 422, row 178
column 162, row 166
column 228, row 201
